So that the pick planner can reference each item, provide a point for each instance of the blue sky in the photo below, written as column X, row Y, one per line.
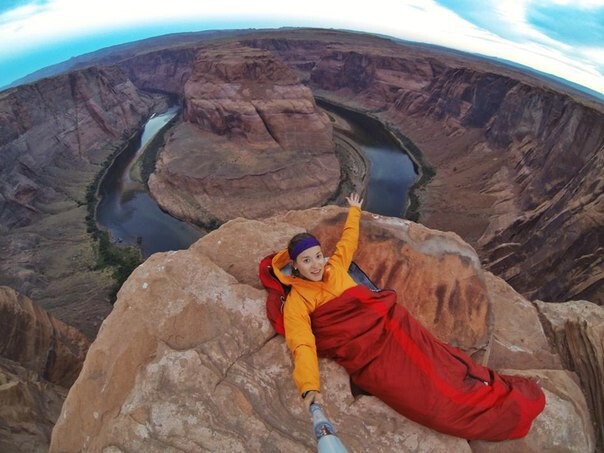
column 561, row 37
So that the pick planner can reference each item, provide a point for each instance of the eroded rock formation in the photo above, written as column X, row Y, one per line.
column 253, row 142
column 577, row 330
column 188, row 360
column 29, row 408
column 165, row 70
column 40, row 357
column 38, row 341
column 54, row 136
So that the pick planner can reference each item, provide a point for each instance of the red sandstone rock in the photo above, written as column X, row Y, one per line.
column 519, row 342
column 164, row 70
column 254, row 142
column 29, row 408
column 188, row 360
column 38, row 341
column 40, row 357
column 577, row 331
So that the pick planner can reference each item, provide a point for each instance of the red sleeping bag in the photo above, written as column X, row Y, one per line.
column 389, row 354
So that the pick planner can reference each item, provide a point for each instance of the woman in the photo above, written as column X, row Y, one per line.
column 384, row 350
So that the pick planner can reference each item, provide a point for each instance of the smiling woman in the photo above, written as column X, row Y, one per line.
column 385, row 351
column 305, row 252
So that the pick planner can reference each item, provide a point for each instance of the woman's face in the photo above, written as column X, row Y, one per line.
column 310, row 263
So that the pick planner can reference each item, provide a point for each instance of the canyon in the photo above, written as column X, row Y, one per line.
column 518, row 161
column 512, row 163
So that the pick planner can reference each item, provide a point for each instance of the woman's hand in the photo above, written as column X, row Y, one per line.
column 354, row 200
column 312, row 396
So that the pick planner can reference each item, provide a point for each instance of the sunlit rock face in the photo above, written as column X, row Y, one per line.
column 40, row 357
column 188, row 360
column 54, row 136
column 253, row 142
column 518, row 163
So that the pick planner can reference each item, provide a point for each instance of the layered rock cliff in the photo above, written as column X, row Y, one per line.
column 188, row 360
column 517, row 158
column 518, row 162
column 55, row 135
column 40, row 357
column 253, row 141
column 163, row 70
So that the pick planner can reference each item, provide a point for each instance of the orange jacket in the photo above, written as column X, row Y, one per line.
column 306, row 296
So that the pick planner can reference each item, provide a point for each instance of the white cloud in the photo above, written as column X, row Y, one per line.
column 416, row 20
column 594, row 53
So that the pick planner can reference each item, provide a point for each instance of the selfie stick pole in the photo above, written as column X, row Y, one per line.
column 325, row 433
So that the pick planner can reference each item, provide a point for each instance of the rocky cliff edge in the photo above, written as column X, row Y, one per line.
column 188, row 361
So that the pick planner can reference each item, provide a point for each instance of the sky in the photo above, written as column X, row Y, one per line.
column 560, row 37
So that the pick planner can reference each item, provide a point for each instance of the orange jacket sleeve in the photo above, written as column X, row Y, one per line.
column 349, row 240
column 301, row 342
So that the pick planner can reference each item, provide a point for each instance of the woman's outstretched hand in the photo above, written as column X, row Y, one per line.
column 354, row 200
column 311, row 397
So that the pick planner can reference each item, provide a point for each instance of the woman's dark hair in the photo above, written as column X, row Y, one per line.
column 296, row 240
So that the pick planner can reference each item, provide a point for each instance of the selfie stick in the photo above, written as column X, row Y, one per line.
column 325, row 433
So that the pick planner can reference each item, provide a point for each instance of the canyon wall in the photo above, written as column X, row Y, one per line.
column 518, row 161
column 162, row 70
column 40, row 358
column 55, row 135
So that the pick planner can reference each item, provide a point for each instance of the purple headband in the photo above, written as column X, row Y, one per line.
column 304, row 244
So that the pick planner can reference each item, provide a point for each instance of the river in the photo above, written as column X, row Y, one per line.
column 127, row 210
column 391, row 172
column 132, row 217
